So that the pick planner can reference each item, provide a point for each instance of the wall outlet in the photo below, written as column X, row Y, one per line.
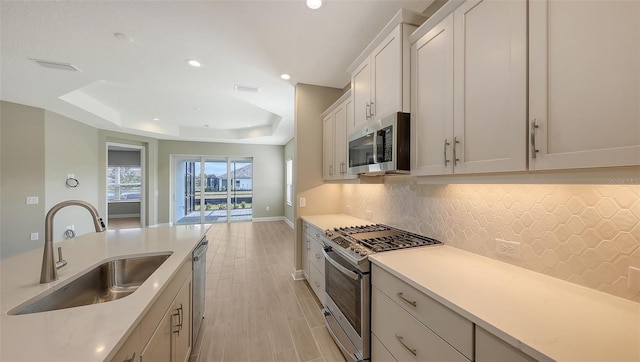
column 347, row 209
column 302, row 202
column 71, row 175
column 508, row 248
column 368, row 214
column 71, row 227
column 267, row 208
column 32, row 200
column 634, row 278
column 35, row 236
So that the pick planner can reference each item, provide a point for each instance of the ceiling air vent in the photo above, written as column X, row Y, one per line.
column 56, row 65
column 248, row 89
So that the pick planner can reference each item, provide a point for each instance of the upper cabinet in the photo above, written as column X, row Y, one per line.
column 469, row 91
column 380, row 77
column 336, row 120
column 584, row 84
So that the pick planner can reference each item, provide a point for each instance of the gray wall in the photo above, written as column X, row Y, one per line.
column 289, row 153
column 268, row 173
column 22, row 174
column 71, row 147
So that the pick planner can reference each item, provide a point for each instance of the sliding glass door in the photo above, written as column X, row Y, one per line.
column 212, row 189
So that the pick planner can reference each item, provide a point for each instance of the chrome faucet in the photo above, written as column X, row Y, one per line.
column 50, row 267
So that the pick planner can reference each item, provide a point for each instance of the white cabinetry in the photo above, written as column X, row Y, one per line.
column 584, row 81
column 469, row 91
column 164, row 334
column 490, row 348
column 380, row 78
column 336, row 120
column 313, row 258
column 413, row 327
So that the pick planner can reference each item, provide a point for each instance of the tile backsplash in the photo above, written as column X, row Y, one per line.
column 585, row 234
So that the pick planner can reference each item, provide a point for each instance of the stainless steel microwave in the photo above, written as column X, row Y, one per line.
column 381, row 146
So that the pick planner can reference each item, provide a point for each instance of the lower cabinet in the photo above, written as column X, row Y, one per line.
column 313, row 259
column 414, row 327
column 490, row 348
column 164, row 334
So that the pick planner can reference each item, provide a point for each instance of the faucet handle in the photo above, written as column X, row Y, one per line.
column 60, row 263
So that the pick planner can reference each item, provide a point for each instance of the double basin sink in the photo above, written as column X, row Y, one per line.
column 106, row 282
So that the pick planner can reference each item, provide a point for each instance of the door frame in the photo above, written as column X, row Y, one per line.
column 143, row 185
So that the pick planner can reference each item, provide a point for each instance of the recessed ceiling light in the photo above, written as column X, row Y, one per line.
column 314, row 4
column 285, row 76
column 194, row 63
column 156, row 119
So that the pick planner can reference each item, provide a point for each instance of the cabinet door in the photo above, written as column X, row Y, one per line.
column 432, row 101
column 584, row 83
column 386, row 85
column 490, row 348
column 351, row 124
column 158, row 348
column 490, row 85
column 328, row 170
column 182, row 324
column 361, row 92
column 340, row 141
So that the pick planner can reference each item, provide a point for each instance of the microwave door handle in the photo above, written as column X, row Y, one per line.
column 375, row 147
column 351, row 274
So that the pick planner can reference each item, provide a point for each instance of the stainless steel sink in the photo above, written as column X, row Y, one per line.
column 106, row 282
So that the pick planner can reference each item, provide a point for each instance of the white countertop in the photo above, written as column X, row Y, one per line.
column 93, row 332
column 545, row 317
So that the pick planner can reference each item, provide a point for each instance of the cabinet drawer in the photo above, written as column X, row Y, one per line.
column 315, row 256
column 317, row 282
column 452, row 327
column 404, row 336
column 379, row 352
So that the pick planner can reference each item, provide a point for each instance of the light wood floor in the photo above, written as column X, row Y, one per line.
column 255, row 311
column 124, row 223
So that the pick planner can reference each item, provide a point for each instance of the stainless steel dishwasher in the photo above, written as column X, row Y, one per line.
column 199, row 258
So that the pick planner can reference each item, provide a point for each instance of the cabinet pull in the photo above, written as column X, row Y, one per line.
column 446, row 143
column 180, row 316
column 317, row 284
column 133, row 357
column 330, row 170
column 534, row 151
column 372, row 110
column 412, row 302
column 368, row 111
column 318, row 256
column 412, row 350
column 455, row 154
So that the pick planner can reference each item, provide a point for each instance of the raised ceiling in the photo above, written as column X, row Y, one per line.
column 139, row 82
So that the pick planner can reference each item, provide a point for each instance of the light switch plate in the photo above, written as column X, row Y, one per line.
column 35, row 236
column 32, row 200
column 302, row 202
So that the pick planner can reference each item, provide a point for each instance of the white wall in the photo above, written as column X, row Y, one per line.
column 289, row 154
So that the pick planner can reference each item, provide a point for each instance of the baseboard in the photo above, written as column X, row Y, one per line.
column 290, row 223
column 123, row 216
column 297, row 275
column 266, row 219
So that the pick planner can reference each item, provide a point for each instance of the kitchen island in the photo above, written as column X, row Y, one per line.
column 93, row 332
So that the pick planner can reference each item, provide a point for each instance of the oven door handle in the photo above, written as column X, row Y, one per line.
column 350, row 273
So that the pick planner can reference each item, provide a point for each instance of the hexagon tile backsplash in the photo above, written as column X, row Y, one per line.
column 585, row 234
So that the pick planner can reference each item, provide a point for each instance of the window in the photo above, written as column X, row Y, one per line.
column 124, row 183
column 289, row 182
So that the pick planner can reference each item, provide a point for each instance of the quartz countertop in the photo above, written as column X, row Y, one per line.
column 93, row 332
column 546, row 318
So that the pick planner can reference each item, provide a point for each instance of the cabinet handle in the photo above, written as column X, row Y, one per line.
column 455, row 154
column 317, row 284
column 446, row 143
column 412, row 350
column 412, row 302
column 318, row 256
column 368, row 111
column 180, row 316
column 133, row 357
column 534, row 151
column 372, row 110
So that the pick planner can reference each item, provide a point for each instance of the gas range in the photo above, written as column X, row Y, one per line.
column 357, row 242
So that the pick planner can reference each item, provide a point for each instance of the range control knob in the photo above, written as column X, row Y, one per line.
column 363, row 252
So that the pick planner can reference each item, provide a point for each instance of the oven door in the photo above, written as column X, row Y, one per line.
column 347, row 294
